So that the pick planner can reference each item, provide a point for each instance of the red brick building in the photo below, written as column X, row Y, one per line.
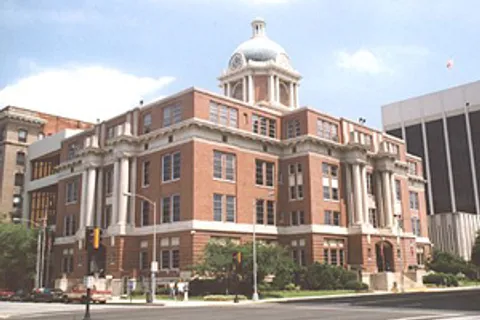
column 331, row 189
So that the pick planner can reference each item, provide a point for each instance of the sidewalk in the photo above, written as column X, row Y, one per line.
column 200, row 303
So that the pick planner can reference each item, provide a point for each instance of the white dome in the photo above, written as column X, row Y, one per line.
column 259, row 48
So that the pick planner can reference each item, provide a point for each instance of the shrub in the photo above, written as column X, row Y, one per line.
column 325, row 277
column 223, row 297
column 356, row 285
column 292, row 287
column 441, row 279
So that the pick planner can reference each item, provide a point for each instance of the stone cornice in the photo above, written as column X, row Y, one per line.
column 11, row 115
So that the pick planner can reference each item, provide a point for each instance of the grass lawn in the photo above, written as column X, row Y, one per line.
column 303, row 293
column 163, row 297
column 469, row 283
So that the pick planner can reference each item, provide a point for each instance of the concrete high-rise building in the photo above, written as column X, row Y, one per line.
column 442, row 128
column 330, row 189
column 19, row 128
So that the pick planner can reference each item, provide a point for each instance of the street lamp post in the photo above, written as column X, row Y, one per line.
column 154, row 264
column 38, row 267
column 254, row 221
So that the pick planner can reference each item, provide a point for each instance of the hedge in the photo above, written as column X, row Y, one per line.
column 441, row 279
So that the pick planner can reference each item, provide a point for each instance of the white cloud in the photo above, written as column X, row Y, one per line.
column 361, row 61
column 82, row 92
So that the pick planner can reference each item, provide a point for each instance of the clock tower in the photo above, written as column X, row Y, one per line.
column 260, row 73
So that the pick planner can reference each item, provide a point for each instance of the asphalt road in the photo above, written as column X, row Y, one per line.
column 459, row 305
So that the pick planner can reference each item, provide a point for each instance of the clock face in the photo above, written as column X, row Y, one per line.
column 236, row 61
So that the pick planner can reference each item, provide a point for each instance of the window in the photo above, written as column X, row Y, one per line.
column 332, row 218
column 327, row 130
column 145, row 217
column 146, row 174
column 372, row 214
column 224, row 208
column 330, row 181
column 171, row 209
column 107, row 217
column 147, row 123
column 264, row 173
column 224, row 165
column 17, row 201
column 293, row 128
column 69, row 225
column 298, row 253
column 110, row 132
column 217, row 207
column 260, row 207
column 72, row 191
column 172, row 115
column 260, row 211
column 295, row 181
column 223, row 115
column 412, row 168
column 333, row 252
column 109, row 182
column 264, row 126
column 20, row 158
column 369, row 183
column 413, row 200
column 143, row 260
column 171, row 167
column 398, row 190
column 297, row 218
column 341, row 257
column 230, row 209
column 19, row 179
column 416, row 226
column 165, row 255
column 72, row 151
column 67, row 262
column 22, row 135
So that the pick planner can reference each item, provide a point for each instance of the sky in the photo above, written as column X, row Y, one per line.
column 92, row 60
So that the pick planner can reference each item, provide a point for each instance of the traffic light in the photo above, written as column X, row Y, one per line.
column 93, row 237
column 237, row 260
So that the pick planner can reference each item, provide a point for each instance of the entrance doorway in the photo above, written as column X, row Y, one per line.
column 385, row 258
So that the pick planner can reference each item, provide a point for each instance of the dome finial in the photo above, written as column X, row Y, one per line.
column 258, row 27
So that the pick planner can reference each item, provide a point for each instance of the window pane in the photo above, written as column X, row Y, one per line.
column 217, row 207
column 217, row 165
column 166, row 210
column 167, row 168
column 260, row 211
column 146, row 173
column 255, row 123
column 145, row 213
column 177, row 114
column 334, row 193
column 328, row 217
column 293, row 193
column 294, row 219
column 334, row 171
column 272, row 128
column 326, row 192
column 301, row 217
column 325, row 256
column 230, row 209
column 175, row 259
column 176, row 208
column 223, row 115
column 398, row 190
column 336, row 218
column 233, row 117
column 213, row 112
column 259, row 172
column 270, row 213
column 230, row 169
column 176, row 165
column 263, row 126
column 333, row 257
column 270, row 167
column 165, row 259
column 300, row 191
column 167, row 116
column 341, row 256
column 326, row 169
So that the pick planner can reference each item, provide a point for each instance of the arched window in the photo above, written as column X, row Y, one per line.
column 20, row 158
column 237, row 92
column 284, row 94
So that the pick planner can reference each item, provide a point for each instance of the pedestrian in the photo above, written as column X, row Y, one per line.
column 172, row 289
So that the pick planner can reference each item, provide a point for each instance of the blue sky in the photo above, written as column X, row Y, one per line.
column 94, row 59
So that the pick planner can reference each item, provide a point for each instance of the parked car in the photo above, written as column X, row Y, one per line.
column 21, row 296
column 47, row 295
column 5, row 294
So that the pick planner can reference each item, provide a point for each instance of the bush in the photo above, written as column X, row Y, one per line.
column 441, row 279
column 292, row 287
column 326, row 277
column 223, row 297
column 356, row 285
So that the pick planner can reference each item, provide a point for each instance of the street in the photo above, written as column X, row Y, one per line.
column 458, row 305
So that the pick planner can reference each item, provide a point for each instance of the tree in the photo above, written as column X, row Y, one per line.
column 476, row 251
column 17, row 256
column 446, row 262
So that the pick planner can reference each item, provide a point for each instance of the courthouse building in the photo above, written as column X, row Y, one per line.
column 330, row 189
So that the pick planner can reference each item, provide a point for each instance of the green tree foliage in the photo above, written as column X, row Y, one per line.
column 319, row 276
column 476, row 251
column 17, row 255
column 444, row 262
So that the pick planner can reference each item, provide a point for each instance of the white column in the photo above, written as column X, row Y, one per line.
column 135, row 122
column 90, row 197
column 83, row 199
column 357, row 189
column 100, row 196
column 271, row 88
column 364, row 194
column 116, row 172
column 122, row 204
column 379, row 197
column 449, row 163
column 388, row 199
column 277, row 89
column 348, row 180
column 244, row 87
column 228, row 90
column 291, row 95
column 297, row 101
column 250, row 89
column 133, row 189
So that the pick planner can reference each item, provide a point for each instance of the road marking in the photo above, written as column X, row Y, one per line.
column 431, row 316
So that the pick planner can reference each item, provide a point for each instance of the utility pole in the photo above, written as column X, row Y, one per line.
column 92, row 243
